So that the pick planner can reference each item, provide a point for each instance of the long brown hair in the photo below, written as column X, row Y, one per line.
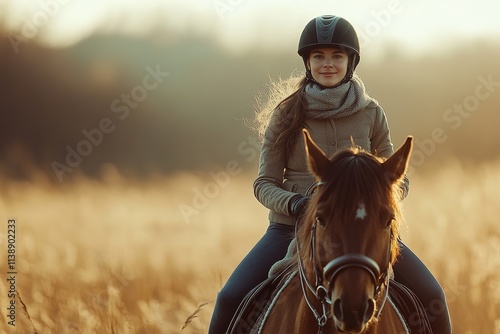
column 285, row 100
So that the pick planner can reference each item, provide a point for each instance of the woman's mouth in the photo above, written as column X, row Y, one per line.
column 328, row 74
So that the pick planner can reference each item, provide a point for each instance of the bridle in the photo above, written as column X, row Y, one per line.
column 332, row 269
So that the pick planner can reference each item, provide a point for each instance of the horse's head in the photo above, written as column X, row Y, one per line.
column 353, row 221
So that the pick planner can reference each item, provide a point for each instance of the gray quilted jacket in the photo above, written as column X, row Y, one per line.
column 279, row 178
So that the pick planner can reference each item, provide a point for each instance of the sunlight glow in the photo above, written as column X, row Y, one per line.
column 242, row 24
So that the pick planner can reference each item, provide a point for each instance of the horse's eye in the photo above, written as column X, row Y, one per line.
column 390, row 221
column 319, row 221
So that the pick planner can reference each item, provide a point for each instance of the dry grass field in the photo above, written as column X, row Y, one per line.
column 117, row 256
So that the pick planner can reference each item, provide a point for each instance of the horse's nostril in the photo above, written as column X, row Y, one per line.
column 370, row 309
column 337, row 310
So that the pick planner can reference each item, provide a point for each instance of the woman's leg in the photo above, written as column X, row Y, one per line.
column 410, row 271
column 249, row 273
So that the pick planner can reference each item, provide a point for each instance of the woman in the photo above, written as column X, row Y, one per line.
column 332, row 103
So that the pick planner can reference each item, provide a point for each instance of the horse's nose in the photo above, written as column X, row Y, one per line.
column 352, row 320
column 370, row 309
column 337, row 310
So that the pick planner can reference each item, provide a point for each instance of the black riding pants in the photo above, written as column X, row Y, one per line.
column 254, row 268
column 409, row 270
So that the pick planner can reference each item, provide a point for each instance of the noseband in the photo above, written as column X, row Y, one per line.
column 344, row 262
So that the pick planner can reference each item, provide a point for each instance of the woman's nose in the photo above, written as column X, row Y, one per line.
column 328, row 62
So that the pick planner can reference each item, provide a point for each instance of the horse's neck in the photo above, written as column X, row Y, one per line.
column 283, row 321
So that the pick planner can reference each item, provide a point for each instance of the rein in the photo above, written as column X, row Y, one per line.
column 320, row 292
column 331, row 271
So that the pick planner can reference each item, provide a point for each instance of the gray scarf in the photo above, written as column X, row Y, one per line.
column 337, row 102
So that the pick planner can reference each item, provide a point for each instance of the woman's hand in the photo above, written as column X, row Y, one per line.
column 297, row 205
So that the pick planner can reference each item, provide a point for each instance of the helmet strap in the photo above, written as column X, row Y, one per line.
column 350, row 72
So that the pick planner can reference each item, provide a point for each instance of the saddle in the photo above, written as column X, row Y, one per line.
column 253, row 308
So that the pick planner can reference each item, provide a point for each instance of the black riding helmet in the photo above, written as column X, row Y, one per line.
column 328, row 31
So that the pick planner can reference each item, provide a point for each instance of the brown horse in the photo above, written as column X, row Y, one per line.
column 346, row 245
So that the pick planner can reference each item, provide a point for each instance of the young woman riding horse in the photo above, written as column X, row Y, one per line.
column 346, row 246
column 331, row 102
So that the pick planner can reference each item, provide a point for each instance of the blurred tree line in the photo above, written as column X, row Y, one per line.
column 153, row 105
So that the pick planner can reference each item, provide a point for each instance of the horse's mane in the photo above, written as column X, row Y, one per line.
column 354, row 177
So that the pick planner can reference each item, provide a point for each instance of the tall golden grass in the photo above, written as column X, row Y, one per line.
column 116, row 256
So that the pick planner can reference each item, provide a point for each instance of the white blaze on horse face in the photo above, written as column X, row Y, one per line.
column 361, row 212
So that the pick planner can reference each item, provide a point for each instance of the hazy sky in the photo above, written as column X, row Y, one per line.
column 243, row 24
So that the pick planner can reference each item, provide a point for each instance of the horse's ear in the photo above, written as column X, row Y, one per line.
column 316, row 158
column 395, row 167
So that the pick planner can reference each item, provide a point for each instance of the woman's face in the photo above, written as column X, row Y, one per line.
column 328, row 65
